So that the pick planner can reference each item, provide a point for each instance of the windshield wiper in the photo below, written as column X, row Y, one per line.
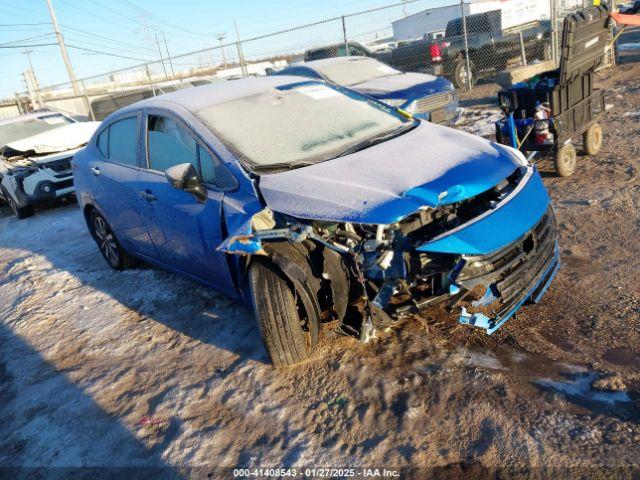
column 380, row 138
column 280, row 166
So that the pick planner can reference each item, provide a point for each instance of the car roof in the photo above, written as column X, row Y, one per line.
column 325, row 62
column 29, row 116
column 198, row 98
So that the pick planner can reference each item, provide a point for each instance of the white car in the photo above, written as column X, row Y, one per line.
column 35, row 158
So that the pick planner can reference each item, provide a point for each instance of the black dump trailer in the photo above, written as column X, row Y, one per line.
column 546, row 113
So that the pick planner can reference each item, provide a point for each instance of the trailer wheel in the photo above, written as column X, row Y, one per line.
column 566, row 160
column 592, row 139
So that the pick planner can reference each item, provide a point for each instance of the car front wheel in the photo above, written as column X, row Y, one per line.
column 285, row 329
column 108, row 244
column 20, row 212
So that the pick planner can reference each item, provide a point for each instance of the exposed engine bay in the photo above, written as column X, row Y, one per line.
column 373, row 277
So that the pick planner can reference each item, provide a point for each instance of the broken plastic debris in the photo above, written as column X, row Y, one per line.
column 490, row 296
column 475, row 320
column 146, row 420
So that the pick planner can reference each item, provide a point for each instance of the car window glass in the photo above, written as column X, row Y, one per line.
column 123, row 140
column 213, row 171
column 103, row 144
column 169, row 144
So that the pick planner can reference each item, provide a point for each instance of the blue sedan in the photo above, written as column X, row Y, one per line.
column 424, row 96
column 313, row 203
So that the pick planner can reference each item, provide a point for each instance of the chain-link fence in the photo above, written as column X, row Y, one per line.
column 468, row 42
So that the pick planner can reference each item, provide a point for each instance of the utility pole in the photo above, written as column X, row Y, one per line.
column 404, row 8
column 166, row 47
column 34, row 80
column 63, row 49
column 243, row 67
column 221, row 37
column 161, row 58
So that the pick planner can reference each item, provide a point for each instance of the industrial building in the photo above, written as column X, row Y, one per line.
column 432, row 22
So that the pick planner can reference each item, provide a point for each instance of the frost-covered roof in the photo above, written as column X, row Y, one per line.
column 198, row 98
column 333, row 61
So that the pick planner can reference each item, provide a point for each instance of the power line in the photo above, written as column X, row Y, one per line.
column 106, row 53
column 27, row 39
column 23, row 24
column 29, row 46
column 182, row 29
column 102, row 37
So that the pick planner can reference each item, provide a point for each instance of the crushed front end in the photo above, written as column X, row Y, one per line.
column 479, row 259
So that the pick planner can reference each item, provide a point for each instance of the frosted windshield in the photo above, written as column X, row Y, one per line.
column 307, row 123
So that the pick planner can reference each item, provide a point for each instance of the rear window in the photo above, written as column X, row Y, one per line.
column 123, row 141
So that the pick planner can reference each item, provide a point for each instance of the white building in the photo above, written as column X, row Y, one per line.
column 433, row 21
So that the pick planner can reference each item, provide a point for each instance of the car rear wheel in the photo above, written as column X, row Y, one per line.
column 566, row 160
column 593, row 139
column 284, row 325
column 20, row 212
column 108, row 244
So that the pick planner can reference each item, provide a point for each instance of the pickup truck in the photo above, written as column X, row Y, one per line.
column 490, row 48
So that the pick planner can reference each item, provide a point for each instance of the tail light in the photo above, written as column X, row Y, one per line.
column 436, row 52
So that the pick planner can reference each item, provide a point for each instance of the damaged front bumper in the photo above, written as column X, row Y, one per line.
column 500, row 253
column 514, row 276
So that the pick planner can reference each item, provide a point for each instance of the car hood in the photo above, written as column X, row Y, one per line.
column 406, row 86
column 60, row 139
column 428, row 166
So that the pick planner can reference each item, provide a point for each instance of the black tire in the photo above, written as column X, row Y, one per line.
column 460, row 74
column 280, row 316
column 566, row 160
column 592, row 139
column 20, row 212
column 108, row 244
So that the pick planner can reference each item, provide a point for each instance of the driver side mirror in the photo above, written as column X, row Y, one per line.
column 184, row 177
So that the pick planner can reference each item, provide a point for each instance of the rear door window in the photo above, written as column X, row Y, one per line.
column 123, row 141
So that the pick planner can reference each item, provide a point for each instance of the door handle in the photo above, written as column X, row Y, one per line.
column 95, row 171
column 148, row 196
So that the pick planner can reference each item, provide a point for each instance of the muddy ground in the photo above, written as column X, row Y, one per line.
column 144, row 368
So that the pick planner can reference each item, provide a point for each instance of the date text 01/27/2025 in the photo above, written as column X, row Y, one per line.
column 315, row 473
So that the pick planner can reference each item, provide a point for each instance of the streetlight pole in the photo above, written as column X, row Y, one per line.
column 221, row 37
column 36, row 87
column 243, row 67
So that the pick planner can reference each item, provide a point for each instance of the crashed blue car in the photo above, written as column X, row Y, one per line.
column 424, row 96
column 315, row 204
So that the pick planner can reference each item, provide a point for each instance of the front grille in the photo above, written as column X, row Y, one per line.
column 64, row 184
column 59, row 166
column 516, row 269
column 433, row 102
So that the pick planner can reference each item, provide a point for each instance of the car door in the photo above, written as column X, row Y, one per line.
column 115, row 183
column 185, row 231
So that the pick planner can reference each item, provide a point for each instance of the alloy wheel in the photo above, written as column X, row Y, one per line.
column 106, row 241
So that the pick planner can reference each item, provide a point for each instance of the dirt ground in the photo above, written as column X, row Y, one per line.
column 146, row 369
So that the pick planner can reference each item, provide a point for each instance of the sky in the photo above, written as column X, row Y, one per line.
column 128, row 28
